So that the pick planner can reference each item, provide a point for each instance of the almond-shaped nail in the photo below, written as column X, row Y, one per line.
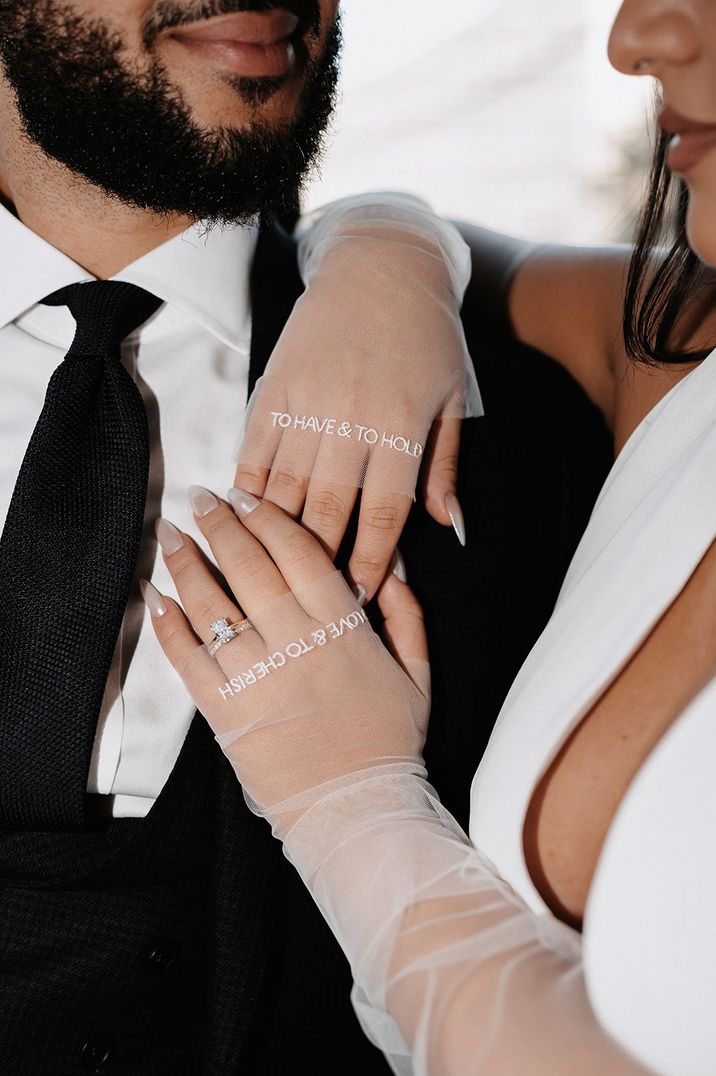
column 398, row 566
column 242, row 501
column 202, row 501
column 169, row 538
column 361, row 594
column 153, row 599
column 454, row 510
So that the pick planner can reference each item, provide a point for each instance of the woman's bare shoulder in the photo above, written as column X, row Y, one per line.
column 568, row 302
column 565, row 301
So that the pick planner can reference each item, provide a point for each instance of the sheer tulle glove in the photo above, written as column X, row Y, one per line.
column 293, row 680
column 454, row 974
column 369, row 380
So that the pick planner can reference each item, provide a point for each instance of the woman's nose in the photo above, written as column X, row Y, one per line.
column 649, row 35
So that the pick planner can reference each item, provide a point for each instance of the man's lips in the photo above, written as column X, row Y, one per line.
column 243, row 28
column 691, row 140
column 248, row 43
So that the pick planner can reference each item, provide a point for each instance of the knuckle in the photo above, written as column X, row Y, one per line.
column 364, row 565
column 325, row 506
column 185, row 571
column 286, row 481
column 170, row 632
column 446, row 464
column 249, row 562
column 300, row 547
column 249, row 477
column 218, row 526
column 270, row 515
column 384, row 516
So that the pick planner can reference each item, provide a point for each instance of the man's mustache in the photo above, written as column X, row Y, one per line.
column 169, row 14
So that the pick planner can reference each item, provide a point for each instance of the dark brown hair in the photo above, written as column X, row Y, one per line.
column 659, row 290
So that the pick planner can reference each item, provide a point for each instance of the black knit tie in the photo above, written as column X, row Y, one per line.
column 67, row 557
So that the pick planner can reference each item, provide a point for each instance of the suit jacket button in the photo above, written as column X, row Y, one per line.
column 95, row 1052
column 162, row 955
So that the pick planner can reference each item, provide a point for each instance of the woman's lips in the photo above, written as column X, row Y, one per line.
column 691, row 141
column 687, row 150
column 248, row 43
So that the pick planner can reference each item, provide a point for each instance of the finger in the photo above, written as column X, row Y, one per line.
column 202, row 675
column 252, row 575
column 262, row 437
column 171, row 627
column 202, row 597
column 439, row 477
column 338, row 473
column 380, row 523
column 251, row 477
column 289, row 479
column 404, row 629
column 404, row 623
column 327, row 511
column 298, row 555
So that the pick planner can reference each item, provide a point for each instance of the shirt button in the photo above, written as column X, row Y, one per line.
column 162, row 955
column 95, row 1052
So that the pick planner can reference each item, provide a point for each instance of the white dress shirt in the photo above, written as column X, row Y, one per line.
column 190, row 361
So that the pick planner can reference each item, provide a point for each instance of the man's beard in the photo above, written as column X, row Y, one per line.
column 133, row 136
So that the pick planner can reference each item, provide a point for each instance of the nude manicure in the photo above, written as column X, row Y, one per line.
column 242, row 502
column 153, row 599
column 202, row 501
column 169, row 538
column 398, row 566
column 454, row 510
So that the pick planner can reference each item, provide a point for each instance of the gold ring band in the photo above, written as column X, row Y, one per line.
column 224, row 632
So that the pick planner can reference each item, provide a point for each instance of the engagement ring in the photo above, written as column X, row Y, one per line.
column 224, row 632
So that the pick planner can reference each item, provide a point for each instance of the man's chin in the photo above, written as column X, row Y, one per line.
column 223, row 90
column 171, row 141
column 240, row 104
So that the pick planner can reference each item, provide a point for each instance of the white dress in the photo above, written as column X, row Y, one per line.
column 649, row 939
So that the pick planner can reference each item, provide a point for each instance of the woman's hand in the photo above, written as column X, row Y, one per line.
column 454, row 974
column 368, row 383
column 305, row 693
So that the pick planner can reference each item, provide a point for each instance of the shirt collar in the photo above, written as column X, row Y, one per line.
column 203, row 272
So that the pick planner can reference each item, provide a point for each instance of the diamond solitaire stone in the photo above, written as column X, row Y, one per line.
column 221, row 629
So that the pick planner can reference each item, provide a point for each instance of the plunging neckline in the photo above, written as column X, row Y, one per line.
column 619, row 582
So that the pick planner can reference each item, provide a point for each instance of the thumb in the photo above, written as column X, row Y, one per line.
column 404, row 630
column 440, row 467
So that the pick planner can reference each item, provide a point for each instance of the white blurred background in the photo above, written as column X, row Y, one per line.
column 504, row 112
